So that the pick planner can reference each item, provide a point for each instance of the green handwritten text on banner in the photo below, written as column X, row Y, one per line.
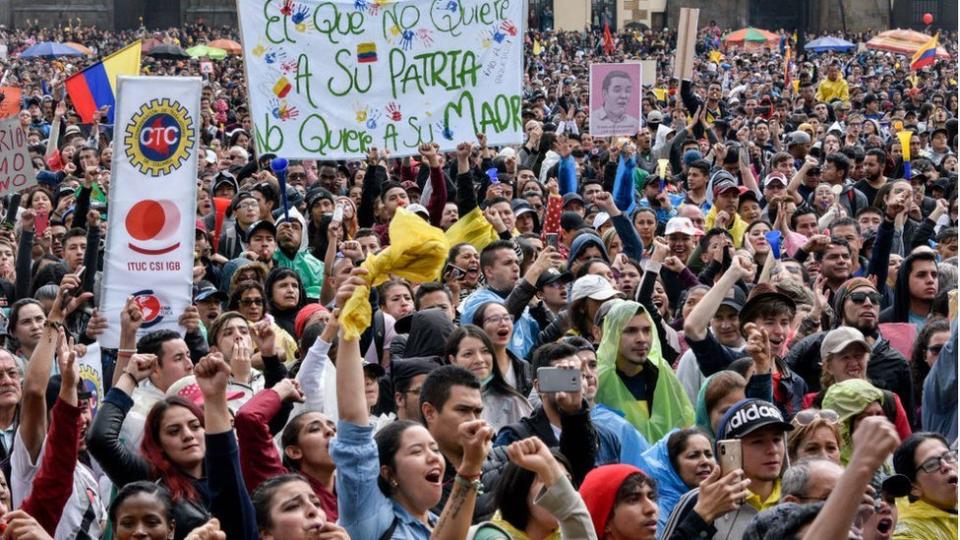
column 332, row 79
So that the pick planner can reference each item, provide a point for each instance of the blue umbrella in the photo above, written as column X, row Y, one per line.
column 829, row 43
column 49, row 49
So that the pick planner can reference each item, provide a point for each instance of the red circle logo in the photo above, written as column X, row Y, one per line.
column 150, row 220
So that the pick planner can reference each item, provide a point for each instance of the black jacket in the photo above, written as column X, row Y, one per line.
column 222, row 494
column 887, row 368
column 578, row 438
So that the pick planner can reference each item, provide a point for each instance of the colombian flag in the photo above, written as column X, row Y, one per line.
column 96, row 86
column 926, row 54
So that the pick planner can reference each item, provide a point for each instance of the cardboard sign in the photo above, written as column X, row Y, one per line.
column 686, row 44
column 206, row 67
column 16, row 169
column 649, row 72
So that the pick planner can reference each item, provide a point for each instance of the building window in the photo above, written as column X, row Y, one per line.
column 541, row 15
column 604, row 11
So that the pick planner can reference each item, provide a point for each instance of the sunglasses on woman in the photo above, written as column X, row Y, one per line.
column 808, row 416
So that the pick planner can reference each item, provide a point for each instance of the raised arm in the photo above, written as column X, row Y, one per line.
column 33, row 409
column 457, row 515
column 25, row 253
column 698, row 321
column 54, row 481
column 874, row 440
column 119, row 462
column 229, row 500
column 794, row 186
column 350, row 382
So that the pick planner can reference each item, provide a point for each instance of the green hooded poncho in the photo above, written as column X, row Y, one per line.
column 849, row 398
column 671, row 407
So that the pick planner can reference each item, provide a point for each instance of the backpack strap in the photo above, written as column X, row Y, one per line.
column 388, row 534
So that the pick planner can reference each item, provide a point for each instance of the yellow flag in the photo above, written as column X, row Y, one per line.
column 416, row 252
column 537, row 47
column 716, row 56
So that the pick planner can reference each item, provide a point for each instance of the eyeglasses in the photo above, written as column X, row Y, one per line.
column 935, row 349
column 248, row 204
column 247, row 302
column 497, row 319
column 861, row 297
column 933, row 464
column 808, row 416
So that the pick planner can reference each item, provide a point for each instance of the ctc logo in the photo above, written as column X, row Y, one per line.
column 160, row 137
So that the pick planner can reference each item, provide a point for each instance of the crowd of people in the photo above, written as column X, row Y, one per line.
column 738, row 322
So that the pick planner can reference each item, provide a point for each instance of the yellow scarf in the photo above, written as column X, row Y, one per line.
column 517, row 534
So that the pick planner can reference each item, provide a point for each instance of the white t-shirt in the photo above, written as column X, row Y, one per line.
column 84, row 515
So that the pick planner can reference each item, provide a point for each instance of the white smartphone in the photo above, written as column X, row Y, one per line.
column 729, row 455
column 338, row 213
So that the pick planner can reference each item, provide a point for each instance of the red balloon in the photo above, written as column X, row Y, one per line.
column 927, row 18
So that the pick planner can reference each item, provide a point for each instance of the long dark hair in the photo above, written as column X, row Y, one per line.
column 497, row 383
column 918, row 359
column 263, row 496
column 677, row 443
column 276, row 275
column 510, row 494
column 159, row 492
column 12, row 342
column 176, row 479
column 388, row 444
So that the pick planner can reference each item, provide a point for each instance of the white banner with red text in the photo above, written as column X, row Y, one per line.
column 152, row 202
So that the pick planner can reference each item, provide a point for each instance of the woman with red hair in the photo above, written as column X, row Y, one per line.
column 191, row 452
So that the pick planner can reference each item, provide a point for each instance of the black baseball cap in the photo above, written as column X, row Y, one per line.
column 552, row 275
column 262, row 224
column 749, row 415
column 206, row 291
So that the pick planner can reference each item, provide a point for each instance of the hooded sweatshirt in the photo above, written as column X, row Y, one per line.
column 900, row 310
column 303, row 263
column 669, row 408
column 581, row 243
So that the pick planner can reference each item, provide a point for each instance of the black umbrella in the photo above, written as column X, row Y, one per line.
column 168, row 51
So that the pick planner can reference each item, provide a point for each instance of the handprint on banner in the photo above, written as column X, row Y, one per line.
column 361, row 112
column 274, row 55
column 372, row 119
column 393, row 111
column 259, row 50
column 360, row 5
column 406, row 40
column 497, row 35
column 395, row 31
column 300, row 15
column 286, row 8
column 289, row 67
column 282, row 111
column 451, row 6
column 424, row 36
column 509, row 28
column 445, row 130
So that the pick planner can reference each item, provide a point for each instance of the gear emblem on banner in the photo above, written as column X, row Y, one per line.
column 159, row 137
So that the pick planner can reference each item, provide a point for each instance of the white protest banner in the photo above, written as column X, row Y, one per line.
column 649, row 70
column 149, row 252
column 615, row 102
column 331, row 79
column 16, row 169
column 91, row 373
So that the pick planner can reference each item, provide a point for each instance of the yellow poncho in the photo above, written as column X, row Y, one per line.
column 671, row 407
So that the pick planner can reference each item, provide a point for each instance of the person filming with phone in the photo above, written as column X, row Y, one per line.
column 751, row 450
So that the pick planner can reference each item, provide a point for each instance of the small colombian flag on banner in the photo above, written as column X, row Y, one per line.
column 366, row 53
column 926, row 54
column 96, row 86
